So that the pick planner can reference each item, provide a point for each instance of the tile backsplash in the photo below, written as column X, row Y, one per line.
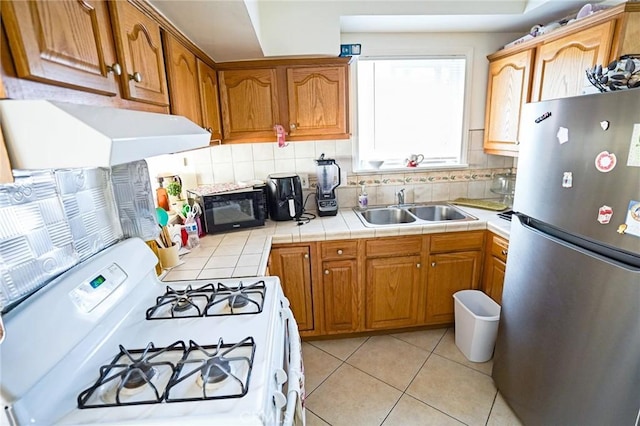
column 241, row 162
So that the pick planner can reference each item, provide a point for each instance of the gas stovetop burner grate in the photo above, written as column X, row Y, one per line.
column 173, row 374
column 187, row 303
column 209, row 301
column 239, row 300
column 219, row 371
column 133, row 377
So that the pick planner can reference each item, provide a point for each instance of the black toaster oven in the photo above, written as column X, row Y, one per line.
column 225, row 211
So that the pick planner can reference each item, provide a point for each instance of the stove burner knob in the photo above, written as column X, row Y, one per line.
column 279, row 400
column 280, row 376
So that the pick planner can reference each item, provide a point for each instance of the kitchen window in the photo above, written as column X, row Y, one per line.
column 411, row 106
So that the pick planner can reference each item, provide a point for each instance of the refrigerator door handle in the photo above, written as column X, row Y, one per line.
column 620, row 258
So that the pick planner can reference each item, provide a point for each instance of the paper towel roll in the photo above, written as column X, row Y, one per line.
column 189, row 181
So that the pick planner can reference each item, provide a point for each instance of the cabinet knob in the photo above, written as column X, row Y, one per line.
column 293, row 126
column 418, row 265
column 326, row 272
column 339, row 251
column 433, row 264
column 306, row 256
column 209, row 129
column 115, row 68
column 137, row 77
column 504, row 252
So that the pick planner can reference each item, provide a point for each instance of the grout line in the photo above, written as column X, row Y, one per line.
column 493, row 403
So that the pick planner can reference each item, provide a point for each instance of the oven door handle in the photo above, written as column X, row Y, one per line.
column 295, row 373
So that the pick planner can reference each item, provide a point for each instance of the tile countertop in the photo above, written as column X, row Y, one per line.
column 244, row 253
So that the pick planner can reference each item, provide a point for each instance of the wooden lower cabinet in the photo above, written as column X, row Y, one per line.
column 449, row 273
column 341, row 296
column 455, row 263
column 394, row 283
column 293, row 266
column 342, row 287
column 495, row 265
column 393, row 290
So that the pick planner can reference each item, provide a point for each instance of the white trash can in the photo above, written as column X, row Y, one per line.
column 477, row 318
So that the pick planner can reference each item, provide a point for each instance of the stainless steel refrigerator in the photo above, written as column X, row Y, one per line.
column 568, row 346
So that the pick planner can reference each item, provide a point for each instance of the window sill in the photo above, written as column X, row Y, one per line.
column 396, row 168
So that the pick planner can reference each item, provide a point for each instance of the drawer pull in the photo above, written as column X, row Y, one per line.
column 433, row 264
column 340, row 251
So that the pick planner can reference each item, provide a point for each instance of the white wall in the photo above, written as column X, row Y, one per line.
column 238, row 162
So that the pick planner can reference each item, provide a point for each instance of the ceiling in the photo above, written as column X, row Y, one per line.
column 235, row 30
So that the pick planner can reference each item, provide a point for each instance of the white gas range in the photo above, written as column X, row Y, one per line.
column 109, row 343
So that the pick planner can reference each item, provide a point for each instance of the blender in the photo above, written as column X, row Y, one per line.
column 328, row 179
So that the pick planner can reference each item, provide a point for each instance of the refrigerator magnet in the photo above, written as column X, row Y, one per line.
column 605, row 161
column 632, row 221
column 634, row 147
column 567, row 179
column 604, row 214
column 543, row 117
column 604, row 124
column 563, row 135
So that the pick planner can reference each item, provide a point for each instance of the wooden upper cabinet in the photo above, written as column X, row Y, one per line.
column 209, row 100
column 250, row 104
column 308, row 98
column 182, row 72
column 507, row 91
column 317, row 100
column 65, row 43
column 140, row 54
column 560, row 64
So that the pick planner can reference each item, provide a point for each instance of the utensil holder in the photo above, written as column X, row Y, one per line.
column 169, row 256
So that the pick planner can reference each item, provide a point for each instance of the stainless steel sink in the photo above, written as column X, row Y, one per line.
column 387, row 216
column 436, row 213
column 411, row 215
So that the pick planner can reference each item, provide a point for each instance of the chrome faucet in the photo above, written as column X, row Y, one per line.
column 400, row 195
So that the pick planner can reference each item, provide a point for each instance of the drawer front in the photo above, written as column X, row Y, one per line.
column 499, row 248
column 459, row 241
column 338, row 250
column 396, row 246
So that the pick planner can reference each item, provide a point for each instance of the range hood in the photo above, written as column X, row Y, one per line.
column 52, row 135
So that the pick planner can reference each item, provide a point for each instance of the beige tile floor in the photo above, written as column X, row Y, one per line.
column 414, row 378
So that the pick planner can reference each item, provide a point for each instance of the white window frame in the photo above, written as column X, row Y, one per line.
column 360, row 167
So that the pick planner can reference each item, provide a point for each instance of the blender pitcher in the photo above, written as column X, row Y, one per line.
column 328, row 179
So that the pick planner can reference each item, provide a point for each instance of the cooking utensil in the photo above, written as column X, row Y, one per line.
column 163, row 216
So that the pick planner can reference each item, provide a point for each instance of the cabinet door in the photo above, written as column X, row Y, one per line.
column 293, row 266
column 341, row 296
column 392, row 292
column 317, row 101
column 495, row 266
column 449, row 273
column 561, row 64
column 66, row 43
column 209, row 100
column 182, row 72
column 507, row 92
column 140, row 53
column 493, row 280
column 249, row 102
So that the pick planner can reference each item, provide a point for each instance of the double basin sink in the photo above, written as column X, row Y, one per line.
column 411, row 214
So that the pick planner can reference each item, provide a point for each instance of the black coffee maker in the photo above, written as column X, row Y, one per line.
column 284, row 196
